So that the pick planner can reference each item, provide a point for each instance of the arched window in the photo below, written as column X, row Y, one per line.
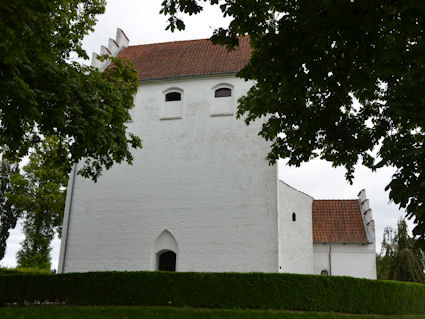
column 173, row 96
column 294, row 217
column 223, row 92
column 172, row 107
column 167, row 261
column 222, row 103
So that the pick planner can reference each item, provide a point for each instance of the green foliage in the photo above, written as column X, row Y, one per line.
column 21, row 270
column 310, row 59
column 132, row 312
column 217, row 290
column 400, row 259
column 42, row 93
column 8, row 212
column 40, row 193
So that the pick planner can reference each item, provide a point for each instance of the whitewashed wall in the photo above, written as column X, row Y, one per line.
column 353, row 260
column 203, row 178
column 295, row 237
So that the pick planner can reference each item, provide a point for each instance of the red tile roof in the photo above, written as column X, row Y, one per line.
column 338, row 221
column 186, row 58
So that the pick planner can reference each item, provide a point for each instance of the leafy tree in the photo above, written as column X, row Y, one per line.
column 311, row 60
column 399, row 258
column 40, row 193
column 8, row 212
column 42, row 93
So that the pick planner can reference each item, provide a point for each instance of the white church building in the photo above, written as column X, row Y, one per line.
column 200, row 195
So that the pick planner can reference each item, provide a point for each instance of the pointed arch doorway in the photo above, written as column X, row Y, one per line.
column 167, row 261
column 165, row 252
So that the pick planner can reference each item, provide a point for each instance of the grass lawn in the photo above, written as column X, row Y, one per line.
column 74, row 312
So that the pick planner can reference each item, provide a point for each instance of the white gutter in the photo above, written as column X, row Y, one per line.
column 66, row 220
column 330, row 259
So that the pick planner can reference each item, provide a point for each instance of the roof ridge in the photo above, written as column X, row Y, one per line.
column 166, row 42
column 178, row 41
column 353, row 199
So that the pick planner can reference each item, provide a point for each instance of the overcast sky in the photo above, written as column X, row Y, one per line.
column 142, row 23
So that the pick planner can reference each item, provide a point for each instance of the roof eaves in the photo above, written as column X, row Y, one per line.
column 189, row 76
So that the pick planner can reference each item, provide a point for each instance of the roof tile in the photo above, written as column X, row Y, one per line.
column 186, row 58
column 338, row 221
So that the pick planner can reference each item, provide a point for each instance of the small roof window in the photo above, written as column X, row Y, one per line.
column 173, row 96
column 223, row 92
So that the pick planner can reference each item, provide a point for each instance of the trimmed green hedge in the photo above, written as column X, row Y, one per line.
column 10, row 271
column 217, row 290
